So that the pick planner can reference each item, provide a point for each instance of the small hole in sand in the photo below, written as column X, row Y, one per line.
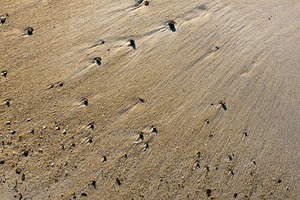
column 279, row 181
column 235, row 195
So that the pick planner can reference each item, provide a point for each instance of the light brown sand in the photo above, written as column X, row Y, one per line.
column 246, row 53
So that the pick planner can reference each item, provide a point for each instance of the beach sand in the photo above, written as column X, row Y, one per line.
column 171, row 100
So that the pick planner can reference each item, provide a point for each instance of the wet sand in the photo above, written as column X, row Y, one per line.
column 158, row 100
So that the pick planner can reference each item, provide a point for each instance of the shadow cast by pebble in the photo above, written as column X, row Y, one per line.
column 171, row 25
column 132, row 43
column 224, row 107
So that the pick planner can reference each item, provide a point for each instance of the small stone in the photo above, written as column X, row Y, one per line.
column 18, row 171
column 91, row 125
column 141, row 136
column 12, row 132
column 141, row 100
column 44, row 127
column 197, row 165
column 8, row 123
column 104, row 159
column 29, row 30
column 3, row 18
column 23, row 177
column 208, row 192
column 98, row 60
column 64, row 132
column 222, row 102
column 101, row 41
column 7, row 102
column 171, row 24
column 118, row 181
column 25, row 153
column 4, row 73
column 146, row 146
column 28, row 120
column 85, row 101
column 154, row 130
column 93, row 184
column 146, row 3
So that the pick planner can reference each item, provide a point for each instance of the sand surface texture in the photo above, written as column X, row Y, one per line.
column 103, row 99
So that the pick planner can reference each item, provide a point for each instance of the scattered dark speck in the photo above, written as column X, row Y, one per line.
column 7, row 101
column 104, row 159
column 85, row 101
column 141, row 136
column 23, row 177
column 25, row 153
column 235, row 195
column 98, row 60
column 93, row 184
column 29, row 30
column 4, row 73
column 2, row 162
column 83, row 194
column 3, row 18
column 118, row 181
column 207, row 168
column 171, row 24
column 91, row 125
column 279, row 181
column 154, row 130
column 208, row 192
column 141, row 100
